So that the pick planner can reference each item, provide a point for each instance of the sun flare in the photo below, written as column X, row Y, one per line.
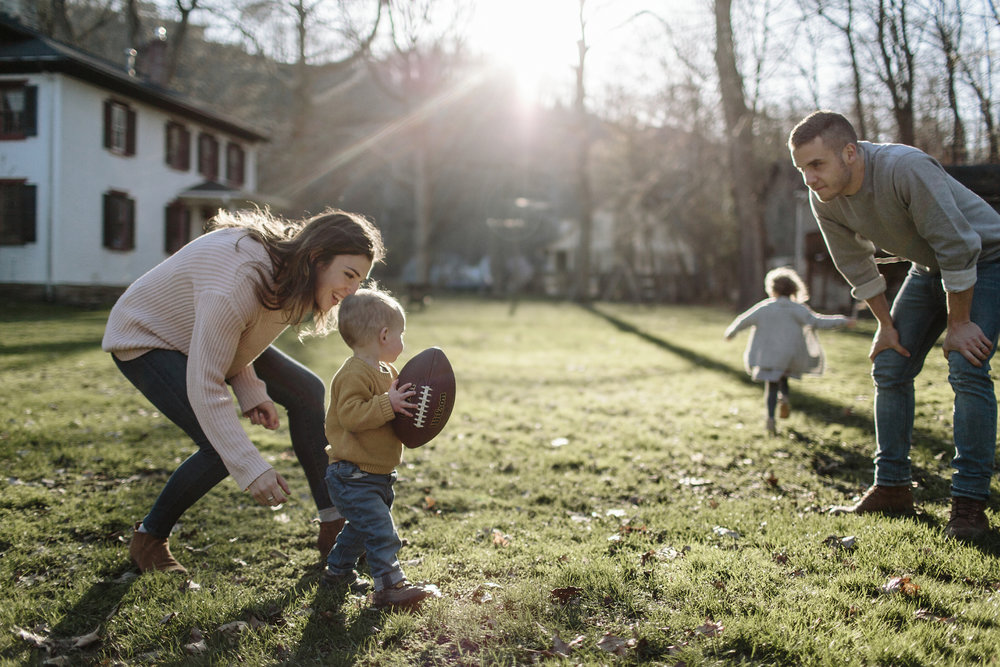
column 534, row 40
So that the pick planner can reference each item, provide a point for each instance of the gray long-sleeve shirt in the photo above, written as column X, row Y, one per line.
column 910, row 207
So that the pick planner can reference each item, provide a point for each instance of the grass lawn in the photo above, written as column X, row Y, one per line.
column 604, row 493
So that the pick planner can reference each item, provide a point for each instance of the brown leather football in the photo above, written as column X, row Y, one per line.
column 434, row 381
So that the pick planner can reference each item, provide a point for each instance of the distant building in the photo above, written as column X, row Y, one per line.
column 104, row 173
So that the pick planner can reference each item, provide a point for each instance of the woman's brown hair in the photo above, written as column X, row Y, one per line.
column 298, row 250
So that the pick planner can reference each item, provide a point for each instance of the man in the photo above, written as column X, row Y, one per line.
column 899, row 199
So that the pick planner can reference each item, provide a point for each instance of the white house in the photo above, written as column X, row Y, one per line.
column 103, row 173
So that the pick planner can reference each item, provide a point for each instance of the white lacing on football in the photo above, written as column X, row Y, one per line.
column 423, row 405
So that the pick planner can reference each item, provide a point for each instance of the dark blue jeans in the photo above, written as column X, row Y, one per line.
column 920, row 314
column 161, row 376
column 365, row 499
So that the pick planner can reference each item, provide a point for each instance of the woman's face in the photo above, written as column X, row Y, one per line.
column 339, row 278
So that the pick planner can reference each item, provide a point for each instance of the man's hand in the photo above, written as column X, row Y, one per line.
column 886, row 338
column 265, row 415
column 269, row 489
column 967, row 339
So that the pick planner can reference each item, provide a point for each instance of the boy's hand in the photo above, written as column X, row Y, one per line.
column 398, row 396
column 265, row 415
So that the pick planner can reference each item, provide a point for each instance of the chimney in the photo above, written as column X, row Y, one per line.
column 151, row 61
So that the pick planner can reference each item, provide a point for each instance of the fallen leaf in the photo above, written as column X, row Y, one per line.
column 169, row 617
column 499, row 538
column 35, row 640
column 282, row 518
column 901, row 585
column 559, row 442
column 234, row 628
column 846, row 543
column 566, row 594
column 725, row 532
column 195, row 648
column 429, row 503
column 86, row 640
column 611, row 644
column 928, row 615
column 710, row 629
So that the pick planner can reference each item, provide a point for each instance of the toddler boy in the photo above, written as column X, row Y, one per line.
column 364, row 451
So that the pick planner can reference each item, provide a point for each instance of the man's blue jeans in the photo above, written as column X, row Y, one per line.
column 161, row 375
column 920, row 315
column 365, row 499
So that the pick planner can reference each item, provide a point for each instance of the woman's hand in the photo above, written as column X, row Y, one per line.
column 398, row 396
column 269, row 489
column 265, row 415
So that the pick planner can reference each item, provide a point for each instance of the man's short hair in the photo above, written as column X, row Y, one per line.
column 835, row 130
column 362, row 315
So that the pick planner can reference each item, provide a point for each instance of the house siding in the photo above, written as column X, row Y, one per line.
column 73, row 170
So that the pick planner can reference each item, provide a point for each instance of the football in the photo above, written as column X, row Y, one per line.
column 434, row 381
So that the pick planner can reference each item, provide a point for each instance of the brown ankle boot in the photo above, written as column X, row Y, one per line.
column 968, row 519
column 149, row 552
column 328, row 531
column 893, row 500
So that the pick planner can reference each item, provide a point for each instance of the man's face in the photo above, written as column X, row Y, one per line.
column 825, row 171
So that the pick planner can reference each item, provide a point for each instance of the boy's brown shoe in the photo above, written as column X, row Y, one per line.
column 404, row 595
column 149, row 552
column 892, row 500
column 968, row 519
column 328, row 531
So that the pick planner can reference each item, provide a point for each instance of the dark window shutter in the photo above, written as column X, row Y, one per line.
column 167, row 156
column 185, row 149
column 31, row 111
column 130, row 132
column 107, row 123
column 108, row 215
column 28, row 224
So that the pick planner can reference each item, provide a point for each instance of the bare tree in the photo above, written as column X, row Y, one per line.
column 948, row 30
column 841, row 15
column 739, row 140
column 585, row 204
column 897, row 53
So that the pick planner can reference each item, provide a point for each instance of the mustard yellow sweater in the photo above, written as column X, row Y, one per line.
column 201, row 301
column 358, row 422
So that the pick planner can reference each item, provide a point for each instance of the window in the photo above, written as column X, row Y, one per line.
column 178, row 146
column 208, row 156
column 18, row 110
column 119, row 221
column 119, row 127
column 234, row 164
column 17, row 212
column 178, row 227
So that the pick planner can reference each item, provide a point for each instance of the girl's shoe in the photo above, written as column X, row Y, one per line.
column 149, row 552
column 784, row 407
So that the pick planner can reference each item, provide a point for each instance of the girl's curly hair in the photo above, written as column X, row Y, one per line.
column 299, row 249
column 786, row 282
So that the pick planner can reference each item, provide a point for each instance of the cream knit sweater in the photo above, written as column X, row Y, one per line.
column 201, row 301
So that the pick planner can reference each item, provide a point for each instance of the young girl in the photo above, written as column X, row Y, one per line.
column 202, row 322
column 783, row 342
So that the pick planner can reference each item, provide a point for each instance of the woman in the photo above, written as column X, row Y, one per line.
column 205, row 318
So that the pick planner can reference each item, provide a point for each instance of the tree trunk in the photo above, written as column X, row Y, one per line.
column 584, row 195
column 739, row 140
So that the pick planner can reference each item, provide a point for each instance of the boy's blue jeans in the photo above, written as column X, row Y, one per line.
column 365, row 499
column 161, row 375
column 920, row 315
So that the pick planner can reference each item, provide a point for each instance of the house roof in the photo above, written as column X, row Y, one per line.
column 25, row 51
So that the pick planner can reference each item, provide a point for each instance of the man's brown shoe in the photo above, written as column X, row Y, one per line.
column 328, row 531
column 893, row 500
column 968, row 519
column 149, row 552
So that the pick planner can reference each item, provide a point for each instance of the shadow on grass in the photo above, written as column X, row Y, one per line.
column 850, row 469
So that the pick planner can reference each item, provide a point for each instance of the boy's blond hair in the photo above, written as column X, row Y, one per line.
column 784, row 281
column 365, row 313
